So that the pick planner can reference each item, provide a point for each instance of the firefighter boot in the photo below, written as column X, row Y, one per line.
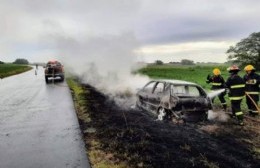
column 254, row 114
column 224, row 107
column 240, row 120
column 233, row 115
column 241, row 123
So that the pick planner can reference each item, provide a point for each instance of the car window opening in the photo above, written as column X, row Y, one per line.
column 185, row 91
column 159, row 88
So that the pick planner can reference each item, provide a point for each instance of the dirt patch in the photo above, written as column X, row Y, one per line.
column 135, row 139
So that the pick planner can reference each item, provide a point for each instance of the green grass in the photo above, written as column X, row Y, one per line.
column 78, row 93
column 196, row 74
column 12, row 69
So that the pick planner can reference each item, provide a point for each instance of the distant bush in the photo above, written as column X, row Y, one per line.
column 158, row 62
column 187, row 62
column 1, row 62
column 21, row 61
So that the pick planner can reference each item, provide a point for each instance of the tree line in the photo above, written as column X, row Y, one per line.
column 19, row 61
column 183, row 62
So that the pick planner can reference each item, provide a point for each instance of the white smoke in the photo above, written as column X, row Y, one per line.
column 106, row 63
column 96, row 40
column 218, row 116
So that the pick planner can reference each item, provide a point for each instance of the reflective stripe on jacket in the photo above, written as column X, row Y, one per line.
column 217, row 82
column 236, row 86
column 236, row 98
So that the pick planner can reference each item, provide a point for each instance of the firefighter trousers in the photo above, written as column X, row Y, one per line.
column 236, row 109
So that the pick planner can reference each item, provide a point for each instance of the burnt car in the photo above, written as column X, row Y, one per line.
column 54, row 69
column 169, row 99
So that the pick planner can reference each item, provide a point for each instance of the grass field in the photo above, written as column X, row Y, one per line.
column 12, row 69
column 196, row 74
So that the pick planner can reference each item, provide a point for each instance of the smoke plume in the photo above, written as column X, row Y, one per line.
column 106, row 63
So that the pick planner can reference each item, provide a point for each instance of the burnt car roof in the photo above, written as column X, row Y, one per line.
column 174, row 81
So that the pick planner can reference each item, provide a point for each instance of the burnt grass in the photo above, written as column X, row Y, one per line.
column 135, row 137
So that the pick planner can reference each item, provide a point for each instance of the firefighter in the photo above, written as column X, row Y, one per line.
column 218, row 82
column 236, row 86
column 252, row 81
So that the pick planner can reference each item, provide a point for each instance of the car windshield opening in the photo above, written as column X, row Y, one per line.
column 185, row 90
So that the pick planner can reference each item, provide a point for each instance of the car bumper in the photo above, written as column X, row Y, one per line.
column 54, row 75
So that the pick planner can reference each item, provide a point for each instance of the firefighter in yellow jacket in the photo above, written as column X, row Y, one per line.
column 236, row 86
column 252, row 81
column 218, row 82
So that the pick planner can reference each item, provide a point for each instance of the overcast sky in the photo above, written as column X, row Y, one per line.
column 167, row 30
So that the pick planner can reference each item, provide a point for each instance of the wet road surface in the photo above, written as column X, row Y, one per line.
column 38, row 124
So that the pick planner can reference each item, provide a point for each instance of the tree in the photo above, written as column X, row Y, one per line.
column 158, row 62
column 21, row 61
column 187, row 62
column 247, row 51
column 1, row 62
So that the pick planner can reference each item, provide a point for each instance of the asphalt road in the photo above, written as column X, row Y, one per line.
column 38, row 124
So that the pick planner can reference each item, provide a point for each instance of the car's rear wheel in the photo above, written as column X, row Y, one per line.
column 161, row 114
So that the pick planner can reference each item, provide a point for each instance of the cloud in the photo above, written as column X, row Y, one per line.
column 184, row 21
column 32, row 23
column 206, row 51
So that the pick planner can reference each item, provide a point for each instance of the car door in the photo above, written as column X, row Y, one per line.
column 145, row 93
column 156, row 96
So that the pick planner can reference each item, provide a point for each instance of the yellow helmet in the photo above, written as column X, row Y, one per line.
column 249, row 68
column 216, row 71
